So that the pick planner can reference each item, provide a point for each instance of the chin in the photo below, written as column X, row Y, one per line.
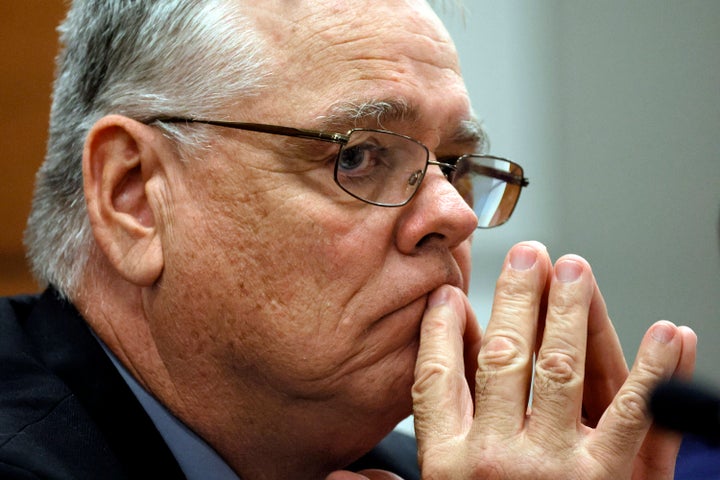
column 393, row 384
column 372, row 411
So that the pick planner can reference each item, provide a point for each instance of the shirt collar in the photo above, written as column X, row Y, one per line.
column 197, row 459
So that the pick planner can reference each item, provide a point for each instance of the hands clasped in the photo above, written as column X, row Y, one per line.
column 588, row 416
column 549, row 329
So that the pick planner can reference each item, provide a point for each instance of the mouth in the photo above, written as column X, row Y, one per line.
column 409, row 302
column 408, row 314
column 400, row 326
column 385, row 321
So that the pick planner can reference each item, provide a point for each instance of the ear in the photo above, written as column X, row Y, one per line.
column 121, row 157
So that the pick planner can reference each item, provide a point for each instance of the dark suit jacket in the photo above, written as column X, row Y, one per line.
column 65, row 412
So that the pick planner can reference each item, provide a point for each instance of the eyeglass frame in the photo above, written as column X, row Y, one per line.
column 343, row 139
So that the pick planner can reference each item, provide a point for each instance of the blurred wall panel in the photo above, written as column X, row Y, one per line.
column 28, row 44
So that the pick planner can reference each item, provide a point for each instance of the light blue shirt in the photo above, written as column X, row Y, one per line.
column 196, row 458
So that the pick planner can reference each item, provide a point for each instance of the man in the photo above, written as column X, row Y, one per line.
column 262, row 212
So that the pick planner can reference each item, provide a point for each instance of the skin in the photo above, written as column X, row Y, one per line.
column 292, row 326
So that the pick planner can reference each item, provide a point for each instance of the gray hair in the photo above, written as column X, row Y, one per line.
column 142, row 59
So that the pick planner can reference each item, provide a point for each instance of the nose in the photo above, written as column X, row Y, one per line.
column 437, row 215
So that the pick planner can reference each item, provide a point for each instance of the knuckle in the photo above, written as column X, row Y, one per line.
column 557, row 368
column 437, row 469
column 563, row 305
column 447, row 468
column 567, row 302
column 650, row 368
column 438, row 461
column 427, row 376
column 502, row 352
column 437, row 324
column 631, row 406
column 513, row 291
column 490, row 471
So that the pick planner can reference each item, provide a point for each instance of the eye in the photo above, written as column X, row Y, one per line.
column 359, row 159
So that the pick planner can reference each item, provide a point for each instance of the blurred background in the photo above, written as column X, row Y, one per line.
column 612, row 107
column 28, row 44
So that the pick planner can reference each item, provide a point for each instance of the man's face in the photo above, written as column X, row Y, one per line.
column 276, row 281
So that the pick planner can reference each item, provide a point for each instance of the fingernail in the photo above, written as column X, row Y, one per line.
column 663, row 332
column 523, row 257
column 568, row 271
column 438, row 297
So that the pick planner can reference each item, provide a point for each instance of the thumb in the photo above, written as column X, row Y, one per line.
column 362, row 475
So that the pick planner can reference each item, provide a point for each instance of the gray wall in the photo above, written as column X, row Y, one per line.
column 613, row 108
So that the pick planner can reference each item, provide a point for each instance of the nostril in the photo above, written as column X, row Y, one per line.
column 431, row 238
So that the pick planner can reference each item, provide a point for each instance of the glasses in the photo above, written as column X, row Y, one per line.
column 386, row 169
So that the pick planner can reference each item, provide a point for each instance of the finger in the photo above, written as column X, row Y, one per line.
column 656, row 458
column 472, row 340
column 442, row 404
column 660, row 447
column 504, row 361
column 621, row 431
column 605, row 366
column 686, row 365
column 560, row 364
column 371, row 474
column 345, row 475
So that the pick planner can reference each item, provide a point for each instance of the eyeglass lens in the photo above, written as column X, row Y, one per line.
column 483, row 183
column 381, row 167
column 385, row 168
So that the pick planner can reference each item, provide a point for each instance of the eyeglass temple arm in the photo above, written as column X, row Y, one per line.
column 488, row 172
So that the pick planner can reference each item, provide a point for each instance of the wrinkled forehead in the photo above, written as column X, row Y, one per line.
column 350, row 48
column 346, row 18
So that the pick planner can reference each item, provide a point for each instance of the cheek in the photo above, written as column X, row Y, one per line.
column 354, row 253
column 265, row 285
column 276, row 281
column 313, row 344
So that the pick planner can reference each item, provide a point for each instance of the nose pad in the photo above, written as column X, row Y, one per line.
column 415, row 178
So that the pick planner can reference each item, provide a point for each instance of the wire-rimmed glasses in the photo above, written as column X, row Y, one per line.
column 386, row 169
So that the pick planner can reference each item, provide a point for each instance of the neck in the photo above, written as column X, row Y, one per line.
column 261, row 433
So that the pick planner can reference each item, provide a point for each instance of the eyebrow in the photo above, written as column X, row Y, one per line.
column 350, row 114
column 471, row 132
column 346, row 115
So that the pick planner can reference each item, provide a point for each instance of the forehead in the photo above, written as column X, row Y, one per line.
column 326, row 53
column 310, row 20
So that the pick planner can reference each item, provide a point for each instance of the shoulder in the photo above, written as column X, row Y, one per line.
column 14, row 311
column 65, row 412
column 32, row 399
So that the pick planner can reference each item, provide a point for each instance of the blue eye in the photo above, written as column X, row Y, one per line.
column 352, row 158
column 360, row 159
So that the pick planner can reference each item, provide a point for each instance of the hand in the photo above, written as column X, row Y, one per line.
column 588, row 418
column 362, row 475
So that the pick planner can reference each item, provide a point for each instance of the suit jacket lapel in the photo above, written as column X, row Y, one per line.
column 68, row 348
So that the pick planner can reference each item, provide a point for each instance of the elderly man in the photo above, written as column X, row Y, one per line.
column 254, row 219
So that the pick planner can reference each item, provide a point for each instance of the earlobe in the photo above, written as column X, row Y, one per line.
column 120, row 159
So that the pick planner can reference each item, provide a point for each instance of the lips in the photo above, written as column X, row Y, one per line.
column 383, row 316
column 409, row 295
column 402, row 324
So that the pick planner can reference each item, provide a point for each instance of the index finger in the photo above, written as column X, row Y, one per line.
column 442, row 404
